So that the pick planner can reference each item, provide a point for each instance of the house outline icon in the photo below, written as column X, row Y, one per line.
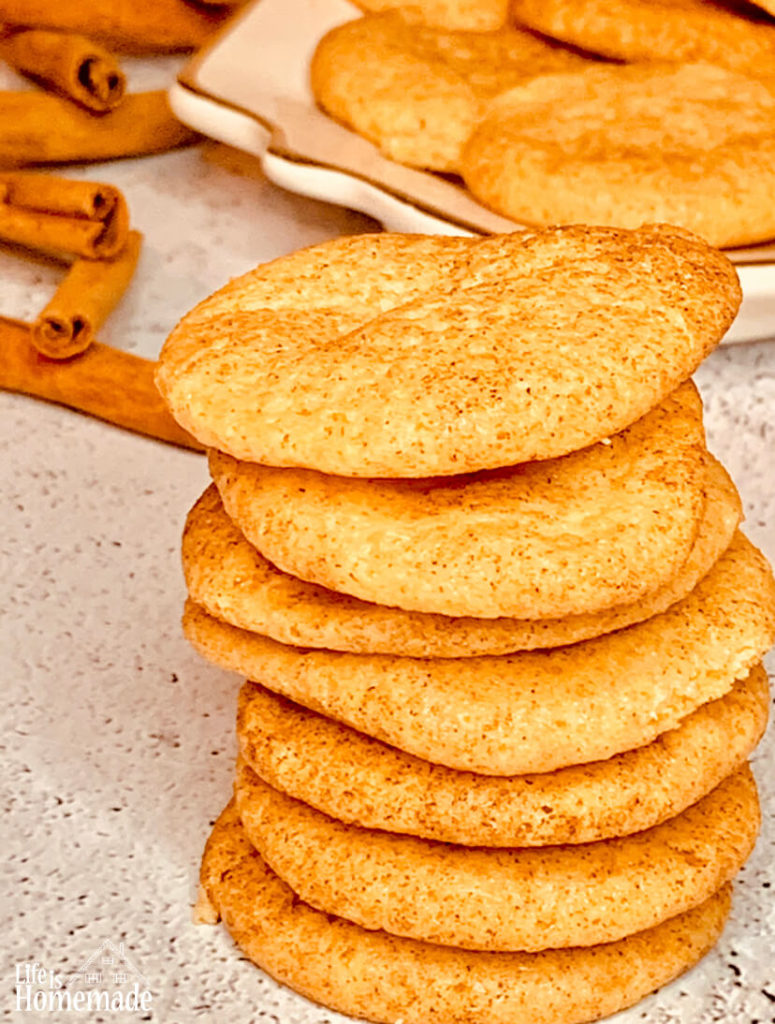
column 121, row 961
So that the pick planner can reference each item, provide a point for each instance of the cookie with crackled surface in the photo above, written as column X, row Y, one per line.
column 386, row 979
column 417, row 92
column 548, row 897
column 234, row 582
column 533, row 711
column 659, row 30
column 392, row 355
column 362, row 781
column 691, row 144
column 597, row 528
column 467, row 15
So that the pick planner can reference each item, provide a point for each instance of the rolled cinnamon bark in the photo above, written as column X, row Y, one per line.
column 83, row 301
column 37, row 128
column 136, row 26
column 43, row 211
column 104, row 382
column 83, row 71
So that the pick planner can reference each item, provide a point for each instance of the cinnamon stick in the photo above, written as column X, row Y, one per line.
column 83, row 301
column 104, row 382
column 43, row 211
column 37, row 128
column 71, row 64
column 136, row 26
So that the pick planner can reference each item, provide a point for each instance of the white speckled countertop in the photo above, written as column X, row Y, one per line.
column 117, row 739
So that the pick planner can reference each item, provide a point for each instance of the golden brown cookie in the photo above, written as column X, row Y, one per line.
column 690, row 144
column 597, row 528
column 391, row 355
column 536, row 710
column 417, row 92
column 658, row 30
column 231, row 580
column 364, row 782
column 548, row 897
column 387, row 979
column 472, row 15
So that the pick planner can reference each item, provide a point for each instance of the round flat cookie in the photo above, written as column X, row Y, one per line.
column 364, row 782
column 600, row 527
column 548, row 897
column 390, row 980
column 472, row 15
column 654, row 30
column 533, row 711
column 690, row 144
column 391, row 355
column 231, row 580
column 417, row 92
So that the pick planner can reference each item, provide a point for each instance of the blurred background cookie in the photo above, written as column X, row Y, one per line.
column 473, row 15
column 691, row 145
column 418, row 92
column 731, row 35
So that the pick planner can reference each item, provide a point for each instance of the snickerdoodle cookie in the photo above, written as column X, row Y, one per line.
column 233, row 581
column 659, row 30
column 359, row 780
column 533, row 711
column 547, row 897
column 387, row 979
column 417, row 92
column 692, row 144
column 600, row 527
column 471, row 15
column 387, row 355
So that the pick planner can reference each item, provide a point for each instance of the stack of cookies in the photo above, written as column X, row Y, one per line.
column 502, row 631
